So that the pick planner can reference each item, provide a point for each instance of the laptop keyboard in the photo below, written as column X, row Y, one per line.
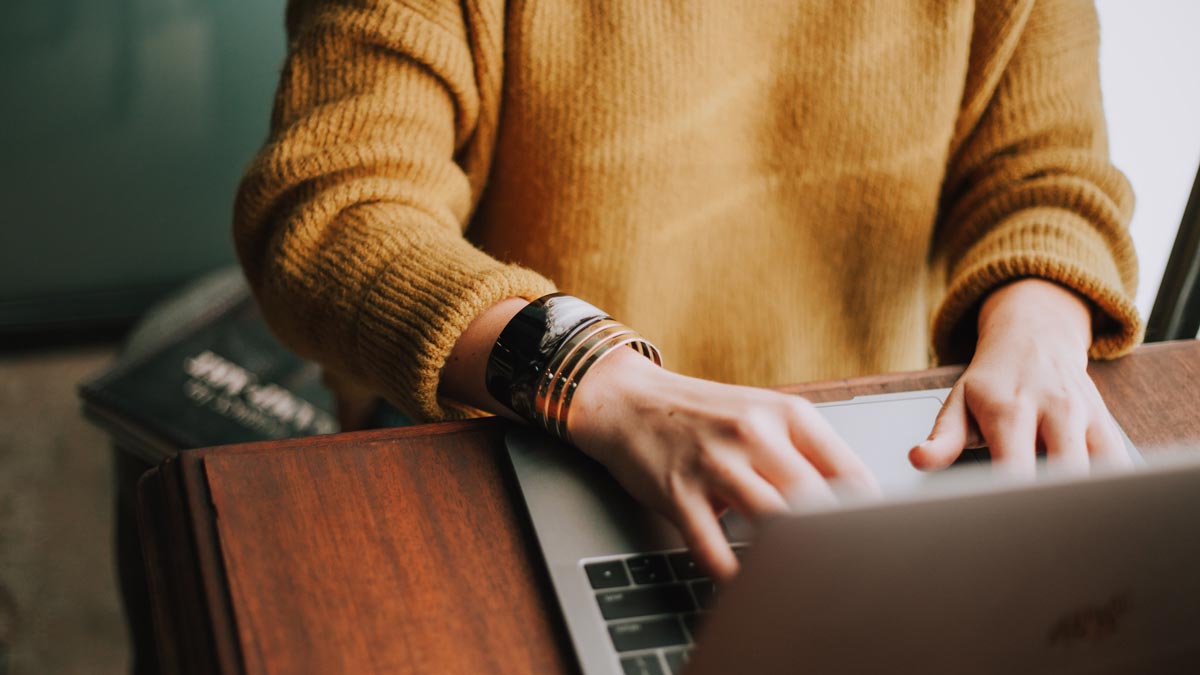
column 652, row 605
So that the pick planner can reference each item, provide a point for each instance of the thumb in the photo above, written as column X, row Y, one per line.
column 948, row 438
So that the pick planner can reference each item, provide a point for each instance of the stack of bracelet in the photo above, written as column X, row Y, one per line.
column 543, row 354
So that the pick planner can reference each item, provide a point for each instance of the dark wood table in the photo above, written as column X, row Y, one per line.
column 407, row 550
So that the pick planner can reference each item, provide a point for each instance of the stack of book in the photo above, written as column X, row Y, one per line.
column 207, row 371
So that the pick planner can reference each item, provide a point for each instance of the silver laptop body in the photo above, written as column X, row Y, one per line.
column 585, row 524
column 1100, row 575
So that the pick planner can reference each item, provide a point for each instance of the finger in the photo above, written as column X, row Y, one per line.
column 702, row 531
column 825, row 453
column 1105, row 444
column 1011, row 434
column 742, row 488
column 948, row 436
column 1064, row 433
column 785, row 467
column 795, row 479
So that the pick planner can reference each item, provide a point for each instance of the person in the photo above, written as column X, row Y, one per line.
column 769, row 193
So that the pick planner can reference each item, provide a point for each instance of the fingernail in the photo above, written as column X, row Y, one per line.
column 915, row 456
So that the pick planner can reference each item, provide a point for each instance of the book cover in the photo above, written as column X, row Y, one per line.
column 225, row 379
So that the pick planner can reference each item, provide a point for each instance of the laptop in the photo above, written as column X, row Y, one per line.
column 1094, row 575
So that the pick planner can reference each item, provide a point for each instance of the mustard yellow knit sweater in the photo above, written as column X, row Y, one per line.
column 771, row 191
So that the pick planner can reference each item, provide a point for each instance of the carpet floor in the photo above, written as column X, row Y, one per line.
column 59, row 609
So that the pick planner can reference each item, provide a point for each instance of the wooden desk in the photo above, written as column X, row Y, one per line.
column 406, row 550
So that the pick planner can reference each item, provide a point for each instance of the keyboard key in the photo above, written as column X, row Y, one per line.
column 607, row 574
column 671, row 599
column 676, row 660
column 646, row 634
column 684, row 566
column 649, row 569
column 705, row 591
column 692, row 623
column 643, row 664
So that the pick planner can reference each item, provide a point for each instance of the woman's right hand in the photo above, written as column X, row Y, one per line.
column 689, row 448
column 685, row 447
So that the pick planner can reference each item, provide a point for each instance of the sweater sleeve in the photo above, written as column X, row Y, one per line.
column 1029, row 189
column 349, row 223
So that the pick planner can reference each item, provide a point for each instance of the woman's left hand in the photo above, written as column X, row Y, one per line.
column 1027, row 388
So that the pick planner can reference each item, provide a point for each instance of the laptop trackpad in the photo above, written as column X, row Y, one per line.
column 882, row 431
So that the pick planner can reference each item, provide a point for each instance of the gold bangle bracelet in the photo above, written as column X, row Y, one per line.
column 636, row 341
column 555, row 367
column 580, row 358
column 571, row 354
column 572, row 359
column 584, row 354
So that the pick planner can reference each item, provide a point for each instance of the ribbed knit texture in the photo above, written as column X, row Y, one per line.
column 772, row 192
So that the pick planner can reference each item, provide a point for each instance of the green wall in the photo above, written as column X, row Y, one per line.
column 124, row 126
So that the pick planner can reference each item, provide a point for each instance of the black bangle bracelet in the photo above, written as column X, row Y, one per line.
column 526, row 345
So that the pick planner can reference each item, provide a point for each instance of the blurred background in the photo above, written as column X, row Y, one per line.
column 124, row 127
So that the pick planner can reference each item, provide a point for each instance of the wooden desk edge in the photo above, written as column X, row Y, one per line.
column 195, row 627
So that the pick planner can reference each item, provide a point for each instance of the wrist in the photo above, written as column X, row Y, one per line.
column 609, row 390
column 1040, row 309
column 547, row 350
column 464, row 375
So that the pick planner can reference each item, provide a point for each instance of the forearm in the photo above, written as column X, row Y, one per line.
column 463, row 378
column 1030, row 191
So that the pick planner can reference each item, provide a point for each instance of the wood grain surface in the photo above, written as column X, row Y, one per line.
column 406, row 550
column 402, row 557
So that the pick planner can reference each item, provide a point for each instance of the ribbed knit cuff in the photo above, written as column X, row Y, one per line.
column 1047, row 243
column 420, row 305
